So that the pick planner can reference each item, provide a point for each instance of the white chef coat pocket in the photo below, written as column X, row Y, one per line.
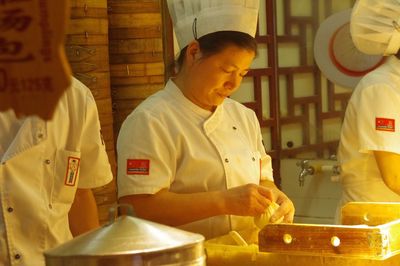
column 66, row 176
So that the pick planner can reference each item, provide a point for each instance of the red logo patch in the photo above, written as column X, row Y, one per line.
column 385, row 124
column 137, row 167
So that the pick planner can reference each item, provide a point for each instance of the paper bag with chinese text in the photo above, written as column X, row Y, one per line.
column 34, row 71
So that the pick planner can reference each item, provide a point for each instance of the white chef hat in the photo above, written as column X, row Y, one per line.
column 193, row 19
column 374, row 26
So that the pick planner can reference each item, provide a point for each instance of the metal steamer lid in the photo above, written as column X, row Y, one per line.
column 126, row 235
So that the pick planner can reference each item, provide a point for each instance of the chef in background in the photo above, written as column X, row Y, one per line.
column 51, row 151
column 369, row 149
column 47, row 171
column 189, row 156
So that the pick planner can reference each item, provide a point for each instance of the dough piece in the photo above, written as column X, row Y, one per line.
column 263, row 219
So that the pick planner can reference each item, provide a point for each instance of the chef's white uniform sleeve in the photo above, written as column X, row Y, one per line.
column 378, row 107
column 95, row 169
column 146, row 155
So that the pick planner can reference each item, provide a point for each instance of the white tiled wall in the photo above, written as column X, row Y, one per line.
column 316, row 201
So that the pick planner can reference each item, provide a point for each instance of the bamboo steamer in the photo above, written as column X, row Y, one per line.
column 121, row 109
column 127, row 20
column 136, row 54
column 134, row 6
column 107, row 131
column 144, row 32
column 137, row 80
column 85, row 29
column 84, row 59
column 134, row 19
column 99, row 83
column 104, row 107
column 88, row 26
column 87, row 51
column 103, row 193
column 129, row 70
column 111, row 154
column 128, row 97
column 151, row 57
column 86, row 38
column 140, row 50
column 152, row 47
column 88, row 8
column 135, row 91
column 105, row 197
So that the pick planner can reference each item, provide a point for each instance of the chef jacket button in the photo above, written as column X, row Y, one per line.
column 50, row 206
column 254, row 159
column 40, row 135
column 226, row 160
column 47, row 161
column 17, row 256
column 10, row 209
column 234, row 128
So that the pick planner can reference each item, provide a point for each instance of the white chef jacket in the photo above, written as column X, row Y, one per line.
column 42, row 165
column 169, row 142
column 371, row 123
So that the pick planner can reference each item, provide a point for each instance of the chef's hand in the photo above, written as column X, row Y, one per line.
column 286, row 207
column 285, row 210
column 247, row 200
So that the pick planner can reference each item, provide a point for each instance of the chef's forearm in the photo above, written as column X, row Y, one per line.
column 83, row 215
column 175, row 209
column 389, row 167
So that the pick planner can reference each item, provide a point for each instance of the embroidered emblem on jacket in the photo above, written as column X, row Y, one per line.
column 137, row 167
column 72, row 171
column 385, row 124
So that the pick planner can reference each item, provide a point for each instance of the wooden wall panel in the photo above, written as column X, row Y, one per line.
column 87, row 52
column 136, row 54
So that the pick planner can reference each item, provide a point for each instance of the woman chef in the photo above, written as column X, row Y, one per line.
column 189, row 156
column 369, row 149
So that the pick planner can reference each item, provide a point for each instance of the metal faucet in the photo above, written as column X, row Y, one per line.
column 306, row 169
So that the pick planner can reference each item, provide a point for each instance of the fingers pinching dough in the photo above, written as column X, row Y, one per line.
column 263, row 219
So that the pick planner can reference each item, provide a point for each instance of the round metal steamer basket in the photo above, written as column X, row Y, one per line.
column 128, row 240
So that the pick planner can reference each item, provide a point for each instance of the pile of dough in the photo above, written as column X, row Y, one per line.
column 263, row 219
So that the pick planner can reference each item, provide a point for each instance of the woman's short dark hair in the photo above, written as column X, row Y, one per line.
column 215, row 42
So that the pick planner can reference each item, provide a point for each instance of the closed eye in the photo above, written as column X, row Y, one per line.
column 228, row 71
column 231, row 71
